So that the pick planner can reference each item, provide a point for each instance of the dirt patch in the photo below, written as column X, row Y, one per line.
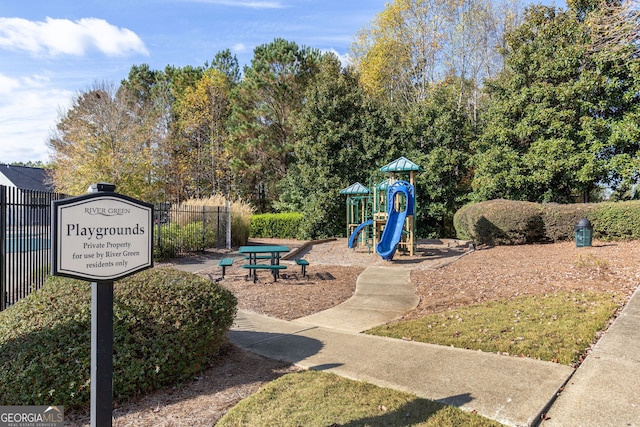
column 235, row 374
column 446, row 273
column 293, row 296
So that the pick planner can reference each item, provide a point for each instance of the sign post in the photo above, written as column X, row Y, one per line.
column 102, row 237
column 101, row 353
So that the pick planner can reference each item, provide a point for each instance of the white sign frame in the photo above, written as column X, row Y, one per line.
column 101, row 236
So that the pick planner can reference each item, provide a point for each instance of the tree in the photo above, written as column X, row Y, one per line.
column 437, row 134
column 341, row 137
column 177, row 156
column 414, row 44
column 177, row 116
column 227, row 64
column 101, row 139
column 562, row 120
column 147, row 93
column 263, row 107
column 200, row 124
column 31, row 164
column 153, row 94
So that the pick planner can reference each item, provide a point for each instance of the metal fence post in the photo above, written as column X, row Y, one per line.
column 204, row 226
column 228, row 224
column 158, row 219
column 3, row 247
column 218, row 228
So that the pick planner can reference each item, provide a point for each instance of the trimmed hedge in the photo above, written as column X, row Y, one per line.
column 617, row 221
column 168, row 325
column 559, row 220
column 499, row 222
column 277, row 225
column 507, row 222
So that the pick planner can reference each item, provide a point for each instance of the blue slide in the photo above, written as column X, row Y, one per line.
column 392, row 232
column 354, row 236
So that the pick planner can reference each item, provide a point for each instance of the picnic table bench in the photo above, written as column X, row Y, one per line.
column 224, row 263
column 303, row 263
column 270, row 252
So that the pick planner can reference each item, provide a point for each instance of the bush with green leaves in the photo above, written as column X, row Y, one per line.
column 507, row 222
column 500, row 222
column 281, row 225
column 560, row 219
column 176, row 238
column 168, row 325
column 617, row 220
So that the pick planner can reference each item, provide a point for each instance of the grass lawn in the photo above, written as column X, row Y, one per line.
column 556, row 327
column 313, row 398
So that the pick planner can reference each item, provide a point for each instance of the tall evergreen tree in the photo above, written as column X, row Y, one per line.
column 262, row 113
column 562, row 115
column 437, row 134
column 227, row 64
column 341, row 138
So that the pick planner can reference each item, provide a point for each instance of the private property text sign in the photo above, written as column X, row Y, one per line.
column 101, row 236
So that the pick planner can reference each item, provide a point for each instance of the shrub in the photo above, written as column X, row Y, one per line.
column 282, row 225
column 500, row 222
column 559, row 220
column 616, row 221
column 511, row 222
column 168, row 325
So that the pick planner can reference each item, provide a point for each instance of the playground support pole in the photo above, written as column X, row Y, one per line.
column 412, row 220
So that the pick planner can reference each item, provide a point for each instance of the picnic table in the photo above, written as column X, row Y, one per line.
column 254, row 253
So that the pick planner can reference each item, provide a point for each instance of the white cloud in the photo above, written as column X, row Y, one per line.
column 27, row 119
column 239, row 48
column 64, row 37
column 8, row 84
column 36, row 80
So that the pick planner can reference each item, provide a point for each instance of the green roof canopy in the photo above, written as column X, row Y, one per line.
column 356, row 188
column 401, row 165
column 383, row 185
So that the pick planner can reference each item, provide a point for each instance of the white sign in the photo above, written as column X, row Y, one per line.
column 101, row 236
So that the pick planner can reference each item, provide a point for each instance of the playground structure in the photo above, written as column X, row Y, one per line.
column 384, row 218
column 359, row 215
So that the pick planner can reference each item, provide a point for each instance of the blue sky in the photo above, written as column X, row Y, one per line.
column 52, row 49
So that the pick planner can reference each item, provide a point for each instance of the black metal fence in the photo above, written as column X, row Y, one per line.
column 25, row 240
column 25, row 244
column 180, row 230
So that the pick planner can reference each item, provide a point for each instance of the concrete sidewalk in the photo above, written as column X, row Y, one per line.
column 382, row 294
column 514, row 391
